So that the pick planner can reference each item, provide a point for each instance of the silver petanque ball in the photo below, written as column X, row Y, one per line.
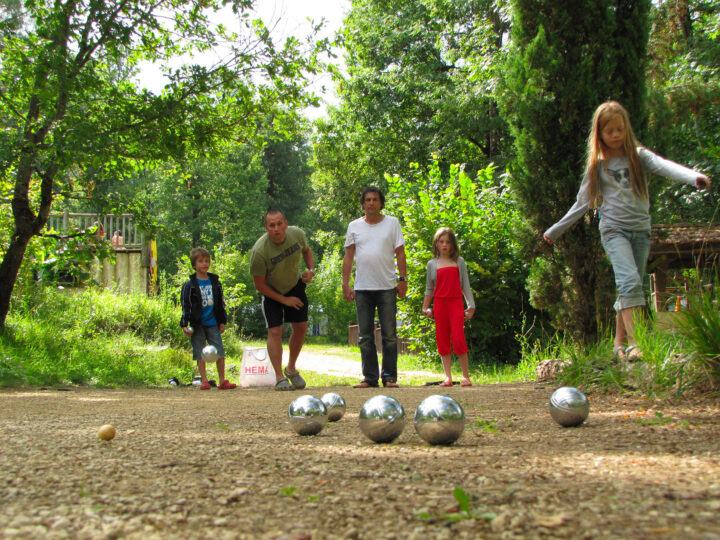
column 569, row 407
column 439, row 420
column 382, row 419
column 209, row 353
column 308, row 415
column 335, row 405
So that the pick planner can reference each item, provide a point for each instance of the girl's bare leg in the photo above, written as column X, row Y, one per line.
column 446, row 363
column 620, row 333
column 463, row 358
column 628, row 322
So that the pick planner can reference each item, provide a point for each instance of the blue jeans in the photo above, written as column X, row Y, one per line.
column 365, row 304
column 628, row 253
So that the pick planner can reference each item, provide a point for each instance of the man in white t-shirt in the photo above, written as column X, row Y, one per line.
column 375, row 242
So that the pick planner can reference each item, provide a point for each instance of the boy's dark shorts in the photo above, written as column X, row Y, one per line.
column 209, row 334
column 276, row 313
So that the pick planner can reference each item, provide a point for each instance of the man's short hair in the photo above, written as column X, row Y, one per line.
column 270, row 211
column 196, row 253
column 372, row 189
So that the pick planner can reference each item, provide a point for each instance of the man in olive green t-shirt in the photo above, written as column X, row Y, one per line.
column 274, row 266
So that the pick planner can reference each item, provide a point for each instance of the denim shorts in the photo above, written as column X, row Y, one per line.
column 209, row 334
column 628, row 253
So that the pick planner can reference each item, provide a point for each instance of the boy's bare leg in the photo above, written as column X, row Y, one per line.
column 203, row 371
column 446, row 364
column 297, row 340
column 274, row 347
column 221, row 369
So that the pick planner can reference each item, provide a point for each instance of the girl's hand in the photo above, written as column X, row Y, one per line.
column 702, row 182
column 469, row 312
column 428, row 313
column 545, row 237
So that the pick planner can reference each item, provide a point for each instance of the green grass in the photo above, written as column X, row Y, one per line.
column 95, row 337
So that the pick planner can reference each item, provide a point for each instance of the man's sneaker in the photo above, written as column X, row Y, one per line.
column 205, row 386
column 295, row 378
column 284, row 385
column 227, row 385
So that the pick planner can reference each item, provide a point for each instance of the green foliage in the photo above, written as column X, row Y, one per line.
column 484, row 219
column 563, row 61
column 74, row 114
column 93, row 337
column 684, row 104
column 420, row 81
column 700, row 325
column 327, row 303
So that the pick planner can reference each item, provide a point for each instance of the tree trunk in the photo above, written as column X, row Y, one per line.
column 9, row 269
column 27, row 225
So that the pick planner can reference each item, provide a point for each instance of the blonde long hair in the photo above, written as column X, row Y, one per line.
column 602, row 116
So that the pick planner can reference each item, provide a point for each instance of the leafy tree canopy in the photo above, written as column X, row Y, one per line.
column 68, row 104
column 419, row 86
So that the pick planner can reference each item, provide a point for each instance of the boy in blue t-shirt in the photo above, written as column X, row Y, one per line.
column 203, row 309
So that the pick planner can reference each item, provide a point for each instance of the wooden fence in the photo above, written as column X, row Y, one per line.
column 130, row 269
column 121, row 228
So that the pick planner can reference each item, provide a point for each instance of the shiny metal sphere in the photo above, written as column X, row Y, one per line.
column 569, row 407
column 382, row 419
column 335, row 405
column 439, row 420
column 209, row 353
column 308, row 415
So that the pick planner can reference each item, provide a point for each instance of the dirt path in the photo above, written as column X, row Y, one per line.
column 189, row 464
column 340, row 366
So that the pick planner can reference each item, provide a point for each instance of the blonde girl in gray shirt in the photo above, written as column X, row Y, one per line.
column 615, row 183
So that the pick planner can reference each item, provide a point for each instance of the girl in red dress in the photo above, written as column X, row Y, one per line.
column 447, row 284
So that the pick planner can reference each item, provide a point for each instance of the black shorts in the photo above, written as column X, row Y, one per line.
column 276, row 313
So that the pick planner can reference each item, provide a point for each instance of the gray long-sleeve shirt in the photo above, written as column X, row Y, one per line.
column 620, row 207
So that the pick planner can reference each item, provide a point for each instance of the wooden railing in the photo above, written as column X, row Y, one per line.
column 120, row 230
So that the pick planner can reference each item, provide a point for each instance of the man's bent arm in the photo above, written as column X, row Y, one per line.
column 401, row 261
column 308, row 258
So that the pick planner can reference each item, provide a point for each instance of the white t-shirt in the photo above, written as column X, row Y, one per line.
column 375, row 247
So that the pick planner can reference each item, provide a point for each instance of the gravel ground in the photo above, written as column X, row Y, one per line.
column 188, row 464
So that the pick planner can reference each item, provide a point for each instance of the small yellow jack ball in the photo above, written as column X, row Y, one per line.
column 107, row 432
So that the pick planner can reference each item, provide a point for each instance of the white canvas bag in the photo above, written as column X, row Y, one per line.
column 256, row 369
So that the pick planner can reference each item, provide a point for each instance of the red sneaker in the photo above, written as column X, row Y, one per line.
column 205, row 386
column 226, row 385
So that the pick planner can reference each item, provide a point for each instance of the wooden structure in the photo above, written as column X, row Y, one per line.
column 676, row 247
column 130, row 269
column 353, row 339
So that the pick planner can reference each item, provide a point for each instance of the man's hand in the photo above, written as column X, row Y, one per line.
column 222, row 328
column 402, row 289
column 187, row 331
column 428, row 313
column 545, row 237
column 307, row 276
column 292, row 301
column 348, row 293
column 469, row 312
